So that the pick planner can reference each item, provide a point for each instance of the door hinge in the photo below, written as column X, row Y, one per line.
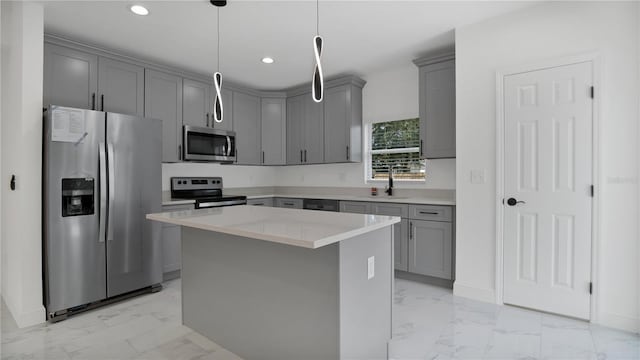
column 593, row 92
column 592, row 190
column 591, row 288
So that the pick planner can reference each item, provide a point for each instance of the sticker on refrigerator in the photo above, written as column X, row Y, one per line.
column 68, row 125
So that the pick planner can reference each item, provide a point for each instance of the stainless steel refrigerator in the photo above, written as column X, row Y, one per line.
column 101, row 176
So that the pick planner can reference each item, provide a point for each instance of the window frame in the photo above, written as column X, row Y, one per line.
column 368, row 159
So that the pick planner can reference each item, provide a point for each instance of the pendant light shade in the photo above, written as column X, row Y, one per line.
column 218, row 109
column 317, row 83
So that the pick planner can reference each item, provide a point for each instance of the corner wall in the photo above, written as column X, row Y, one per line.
column 21, row 153
column 543, row 32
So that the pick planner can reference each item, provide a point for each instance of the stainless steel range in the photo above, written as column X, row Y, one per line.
column 207, row 192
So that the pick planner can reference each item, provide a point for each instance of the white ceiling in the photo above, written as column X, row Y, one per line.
column 360, row 37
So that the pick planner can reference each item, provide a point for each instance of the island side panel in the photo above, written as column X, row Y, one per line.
column 261, row 300
column 366, row 304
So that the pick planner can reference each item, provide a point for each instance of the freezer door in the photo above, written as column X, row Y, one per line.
column 134, row 152
column 74, row 248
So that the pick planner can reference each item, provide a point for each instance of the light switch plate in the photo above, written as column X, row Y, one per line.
column 478, row 176
column 371, row 266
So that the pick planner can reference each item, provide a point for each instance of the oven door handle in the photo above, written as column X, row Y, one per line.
column 228, row 146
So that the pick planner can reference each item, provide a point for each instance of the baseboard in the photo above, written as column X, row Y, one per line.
column 170, row 275
column 424, row 279
column 25, row 319
column 619, row 322
column 486, row 295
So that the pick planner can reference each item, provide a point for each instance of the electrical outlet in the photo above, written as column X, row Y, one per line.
column 371, row 266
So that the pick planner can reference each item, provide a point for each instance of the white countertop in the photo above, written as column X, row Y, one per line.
column 379, row 198
column 303, row 228
column 167, row 201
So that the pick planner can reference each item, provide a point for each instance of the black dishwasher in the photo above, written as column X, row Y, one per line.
column 320, row 204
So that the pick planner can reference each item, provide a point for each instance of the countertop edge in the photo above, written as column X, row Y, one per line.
column 278, row 239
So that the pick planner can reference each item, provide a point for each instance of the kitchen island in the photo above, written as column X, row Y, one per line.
column 274, row 283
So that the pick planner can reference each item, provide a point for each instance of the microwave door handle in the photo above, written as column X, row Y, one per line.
column 102, row 159
column 228, row 146
column 112, row 178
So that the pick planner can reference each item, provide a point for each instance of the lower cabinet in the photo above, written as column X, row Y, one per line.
column 288, row 203
column 401, row 245
column 261, row 202
column 430, row 246
column 422, row 241
column 172, row 244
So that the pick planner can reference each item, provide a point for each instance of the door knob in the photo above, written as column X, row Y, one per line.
column 514, row 202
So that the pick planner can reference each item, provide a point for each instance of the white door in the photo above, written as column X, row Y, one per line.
column 548, row 171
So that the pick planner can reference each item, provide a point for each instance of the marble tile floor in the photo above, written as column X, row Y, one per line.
column 429, row 323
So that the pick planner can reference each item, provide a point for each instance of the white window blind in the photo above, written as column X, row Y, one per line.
column 396, row 145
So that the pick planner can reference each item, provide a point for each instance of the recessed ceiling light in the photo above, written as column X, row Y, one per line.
column 267, row 60
column 139, row 10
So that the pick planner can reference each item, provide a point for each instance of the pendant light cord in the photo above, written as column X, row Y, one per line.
column 218, row 62
column 317, row 17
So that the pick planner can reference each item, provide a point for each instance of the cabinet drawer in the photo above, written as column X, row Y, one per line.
column 401, row 210
column 431, row 212
column 288, row 203
column 357, row 207
column 260, row 202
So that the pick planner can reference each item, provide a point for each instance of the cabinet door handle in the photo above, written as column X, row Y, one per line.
column 288, row 204
column 301, row 156
column 347, row 152
column 207, row 119
column 421, row 142
column 93, row 101
column 305, row 156
column 263, row 157
column 102, row 102
column 429, row 213
column 179, row 152
column 410, row 230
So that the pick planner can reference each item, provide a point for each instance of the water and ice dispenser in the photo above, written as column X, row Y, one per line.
column 78, row 196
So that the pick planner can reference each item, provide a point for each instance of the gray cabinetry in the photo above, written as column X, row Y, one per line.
column 295, row 128
column 70, row 77
column 437, row 96
column 343, row 124
column 163, row 100
column 260, row 202
column 291, row 203
column 305, row 130
column 227, row 107
column 246, row 114
column 401, row 245
column 358, row 207
column 121, row 87
column 430, row 246
column 196, row 103
column 171, row 244
column 274, row 129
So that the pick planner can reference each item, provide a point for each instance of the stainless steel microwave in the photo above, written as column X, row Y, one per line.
column 206, row 144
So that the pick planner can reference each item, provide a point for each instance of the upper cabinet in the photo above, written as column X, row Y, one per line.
column 70, row 77
column 163, row 100
column 437, row 94
column 121, row 87
column 343, row 123
column 246, row 114
column 305, row 130
column 196, row 103
column 274, row 131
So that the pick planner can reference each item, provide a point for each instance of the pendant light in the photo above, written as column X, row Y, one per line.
column 218, row 108
column 317, row 82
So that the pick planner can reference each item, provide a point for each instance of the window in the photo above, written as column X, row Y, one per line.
column 396, row 144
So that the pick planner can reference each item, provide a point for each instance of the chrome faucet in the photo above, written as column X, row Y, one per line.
column 389, row 189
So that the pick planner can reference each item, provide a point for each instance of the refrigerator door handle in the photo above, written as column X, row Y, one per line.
column 112, row 193
column 102, row 160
